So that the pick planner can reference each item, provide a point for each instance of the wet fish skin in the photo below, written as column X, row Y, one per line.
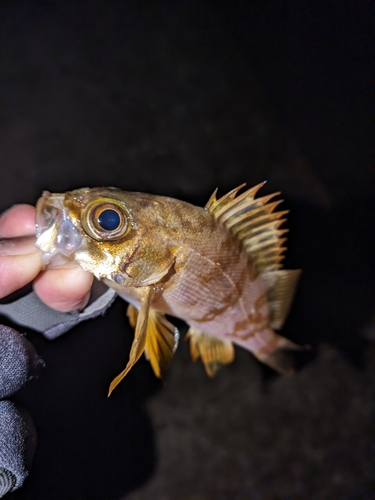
column 170, row 257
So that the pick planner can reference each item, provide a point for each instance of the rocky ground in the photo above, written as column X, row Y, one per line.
column 177, row 98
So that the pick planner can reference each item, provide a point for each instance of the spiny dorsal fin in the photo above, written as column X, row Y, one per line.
column 215, row 206
column 255, row 224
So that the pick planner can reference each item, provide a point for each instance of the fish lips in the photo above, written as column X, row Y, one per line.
column 56, row 233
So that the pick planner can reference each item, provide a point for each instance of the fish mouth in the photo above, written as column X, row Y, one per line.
column 55, row 231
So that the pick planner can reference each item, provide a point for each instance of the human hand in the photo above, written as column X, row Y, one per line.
column 65, row 289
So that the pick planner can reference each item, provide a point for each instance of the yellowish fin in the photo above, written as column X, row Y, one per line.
column 214, row 352
column 256, row 226
column 161, row 341
column 132, row 314
column 280, row 287
column 154, row 335
column 140, row 335
column 253, row 222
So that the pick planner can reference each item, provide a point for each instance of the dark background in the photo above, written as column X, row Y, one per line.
column 177, row 98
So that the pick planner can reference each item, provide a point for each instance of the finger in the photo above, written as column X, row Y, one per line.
column 20, row 245
column 18, row 270
column 17, row 221
column 65, row 289
column 20, row 261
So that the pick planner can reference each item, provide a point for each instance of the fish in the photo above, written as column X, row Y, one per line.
column 218, row 268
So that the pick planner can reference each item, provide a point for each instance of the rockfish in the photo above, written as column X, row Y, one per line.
column 217, row 268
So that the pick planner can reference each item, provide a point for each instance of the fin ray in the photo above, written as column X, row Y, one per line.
column 214, row 352
column 139, row 342
column 256, row 226
column 280, row 287
column 217, row 207
column 161, row 340
column 252, row 221
column 161, row 343
column 246, row 205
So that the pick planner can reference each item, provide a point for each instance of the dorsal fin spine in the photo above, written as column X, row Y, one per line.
column 261, row 246
column 260, row 234
column 212, row 200
column 256, row 226
column 246, row 219
column 243, row 203
column 250, row 224
column 247, row 216
column 220, row 205
column 227, row 198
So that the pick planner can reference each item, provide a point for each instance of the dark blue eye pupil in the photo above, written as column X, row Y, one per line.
column 109, row 220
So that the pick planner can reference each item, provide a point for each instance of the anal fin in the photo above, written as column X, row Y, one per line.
column 213, row 351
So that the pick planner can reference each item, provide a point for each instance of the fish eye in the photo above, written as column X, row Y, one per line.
column 109, row 219
column 105, row 220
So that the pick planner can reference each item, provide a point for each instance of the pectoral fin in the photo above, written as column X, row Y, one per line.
column 140, row 335
column 161, row 340
column 214, row 352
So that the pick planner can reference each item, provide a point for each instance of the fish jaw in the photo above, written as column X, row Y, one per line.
column 57, row 235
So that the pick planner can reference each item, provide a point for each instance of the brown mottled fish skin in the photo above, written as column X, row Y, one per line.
column 188, row 264
column 213, row 287
column 209, row 284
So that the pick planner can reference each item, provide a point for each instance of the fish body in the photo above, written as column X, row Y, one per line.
column 218, row 268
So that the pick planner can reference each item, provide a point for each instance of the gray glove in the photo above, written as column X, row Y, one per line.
column 19, row 362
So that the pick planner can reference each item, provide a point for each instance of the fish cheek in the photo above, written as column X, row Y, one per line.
column 94, row 260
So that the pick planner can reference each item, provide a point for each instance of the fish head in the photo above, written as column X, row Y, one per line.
column 108, row 232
